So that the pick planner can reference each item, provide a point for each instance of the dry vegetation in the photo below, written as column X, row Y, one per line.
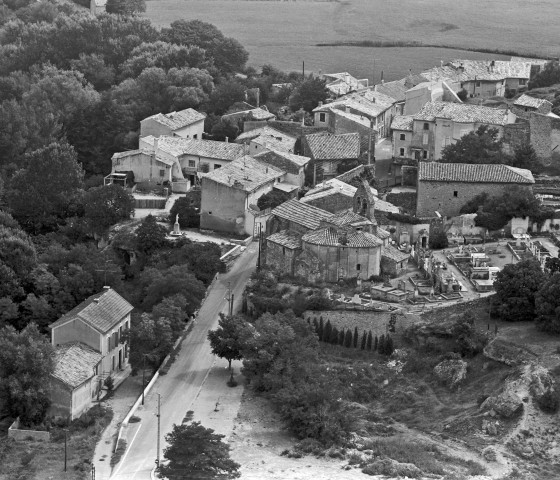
column 408, row 422
column 501, row 24
column 29, row 460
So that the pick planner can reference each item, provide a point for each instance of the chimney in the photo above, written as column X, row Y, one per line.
column 96, row 300
column 106, row 287
column 155, row 143
column 346, row 108
column 227, row 139
column 320, row 103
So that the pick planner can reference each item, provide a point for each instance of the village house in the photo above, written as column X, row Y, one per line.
column 439, row 124
column 328, row 152
column 230, row 194
column 186, row 123
column 445, row 187
column 363, row 111
column 339, row 84
column 423, row 93
column 193, row 156
column 267, row 138
column 482, row 78
column 397, row 90
column 525, row 105
column 90, row 346
column 246, row 112
column 294, row 165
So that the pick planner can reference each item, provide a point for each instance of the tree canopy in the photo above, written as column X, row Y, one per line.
column 26, row 362
column 227, row 340
column 308, row 94
column 516, row 288
column 547, row 302
column 482, row 146
column 105, row 206
column 196, row 452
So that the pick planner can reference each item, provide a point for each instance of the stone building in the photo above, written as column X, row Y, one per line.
column 328, row 151
column 309, row 242
column 526, row 104
column 446, row 187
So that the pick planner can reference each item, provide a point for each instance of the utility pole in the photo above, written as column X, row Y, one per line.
column 65, row 447
column 259, row 257
column 158, row 426
column 93, row 472
column 143, row 376
column 229, row 298
column 303, row 69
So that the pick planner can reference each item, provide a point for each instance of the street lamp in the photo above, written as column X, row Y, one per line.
column 143, row 376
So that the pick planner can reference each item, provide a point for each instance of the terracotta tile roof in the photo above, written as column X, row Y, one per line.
column 325, row 146
column 178, row 146
column 383, row 206
column 278, row 141
column 265, row 130
column 305, row 215
column 475, row 173
column 363, row 121
column 330, row 236
column 177, row 120
column 380, row 233
column 285, row 161
column 101, row 311
column 394, row 254
column 483, row 70
column 147, row 153
column 532, row 61
column 403, row 122
column 261, row 114
column 245, row 173
column 347, row 217
column 330, row 187
column 342, row 83
column 397, row 89
column 74, row 363
column 462, row 112
column 361, row 102
column 532, row 102
column 286, row 239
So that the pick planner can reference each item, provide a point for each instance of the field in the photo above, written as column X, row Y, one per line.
column 285, row 33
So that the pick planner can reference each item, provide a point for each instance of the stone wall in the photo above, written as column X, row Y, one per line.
column 334, row 203
column 545, row 134
column 16, row 433
column 515, row 134
column 280, row 257
column 447, row 198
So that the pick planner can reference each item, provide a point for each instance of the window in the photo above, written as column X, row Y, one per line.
column 283, row 250
column 109, row 344
column 522, row 81
column 321, row 117
column 425, row 154
column 216, row 166
column 425, row 138
column 455, row 193
column 195, row 136
column 478, row 84
column 192, row 163
column 426, row 126
column 209, row 213
column 401, row 152
column 403, row 136
column 358, row 267
column 161, row 173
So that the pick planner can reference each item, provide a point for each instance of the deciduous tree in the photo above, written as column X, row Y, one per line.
column 228, row 339
column 196, row 452
column 107, row 205
column 516, row 287
column 26, row 362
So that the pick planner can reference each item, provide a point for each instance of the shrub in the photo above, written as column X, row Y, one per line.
column 549, row 402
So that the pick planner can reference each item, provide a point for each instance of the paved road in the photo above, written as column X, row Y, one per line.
column 181, row 385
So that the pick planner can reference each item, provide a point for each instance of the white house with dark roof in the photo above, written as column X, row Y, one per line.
column 186, row 123
column 91, row 334
column 446, row 187
column 439, row 124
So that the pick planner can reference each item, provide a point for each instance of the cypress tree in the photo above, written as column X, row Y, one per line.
column 321, row 329
column 327, row 332
column 381, row 345
column 364, row 341
column 376, row 344
column 334, row 336
column 341, row 337
column 369, row 340
column 389, row 348
column 348, row 339
column 315, row 326
column 356, row 337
